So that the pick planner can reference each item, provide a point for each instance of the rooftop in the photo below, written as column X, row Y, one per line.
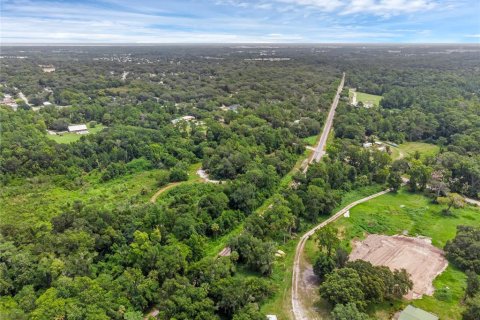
column 412, row 313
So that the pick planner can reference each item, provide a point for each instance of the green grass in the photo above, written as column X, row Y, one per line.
column 311, row 141
column 366, row 98
column 279, row 304
column 72, row 137
column 395, row 213
column 409, row 148
column 39, row 199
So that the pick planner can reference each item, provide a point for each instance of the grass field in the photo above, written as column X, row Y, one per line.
column 42, row 198
column 311, row 141
column 415, row 214
column 409, row 148
column 366, row 98
column 72, row 137
column 280, row 304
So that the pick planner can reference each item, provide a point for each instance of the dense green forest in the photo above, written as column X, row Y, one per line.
column 79, row 238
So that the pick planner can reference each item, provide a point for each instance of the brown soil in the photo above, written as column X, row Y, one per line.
column 416, row 255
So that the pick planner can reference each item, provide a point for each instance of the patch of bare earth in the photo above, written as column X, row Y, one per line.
column 418, row 256
column 309, row 295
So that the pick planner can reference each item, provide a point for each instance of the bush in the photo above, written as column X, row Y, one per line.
column 163, row 178
column 178, row 174
column 464, row 250
column 443, row 294
column 138, row 165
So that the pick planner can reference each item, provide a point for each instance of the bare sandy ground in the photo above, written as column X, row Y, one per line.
column 416, row 255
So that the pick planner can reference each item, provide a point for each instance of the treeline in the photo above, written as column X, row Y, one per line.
column 463, row 251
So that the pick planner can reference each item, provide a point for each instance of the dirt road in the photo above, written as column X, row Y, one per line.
column 472, row 201
column 320, row 147
column 153, row 199
column 299, row 311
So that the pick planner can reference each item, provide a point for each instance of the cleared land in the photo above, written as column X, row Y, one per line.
column 409, row 148
column 416, row 255
column 415, row 215
column 365, row 98
column 72, row 137
column 280, row 304
column 41, row 198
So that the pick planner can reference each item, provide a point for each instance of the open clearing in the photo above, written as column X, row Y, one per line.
column 416, row 255
column 409, row 148
column 365, row 98
column 72, row 137
column 415, row 215
column 280, row 303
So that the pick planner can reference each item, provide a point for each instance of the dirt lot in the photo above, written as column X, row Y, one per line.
column 421, row 260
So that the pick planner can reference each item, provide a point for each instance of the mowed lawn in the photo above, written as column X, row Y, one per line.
column 416, row 215
column 409, row 148
column 72, row 137
column 366, row 98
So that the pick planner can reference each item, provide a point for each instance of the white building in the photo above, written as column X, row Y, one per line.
column 47, row 68
column 184, row 118
column 78, row 128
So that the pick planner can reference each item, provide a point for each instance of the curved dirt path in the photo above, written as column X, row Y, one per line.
column 153, row 199
column 301, row 274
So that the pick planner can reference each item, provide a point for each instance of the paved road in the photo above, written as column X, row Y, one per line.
column 320, row 147
column 299, row 312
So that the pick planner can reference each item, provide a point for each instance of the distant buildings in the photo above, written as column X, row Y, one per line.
column 379, row 145
column 78, row 128
column 47, row 68
column 9, row 101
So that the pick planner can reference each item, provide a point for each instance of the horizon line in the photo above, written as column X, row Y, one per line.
column 3, row 44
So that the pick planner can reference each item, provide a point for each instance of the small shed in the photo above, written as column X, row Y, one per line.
column 78, row 128
column 412, row 313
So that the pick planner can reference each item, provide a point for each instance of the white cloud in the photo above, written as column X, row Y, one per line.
column 326, row 5
column 387, row 8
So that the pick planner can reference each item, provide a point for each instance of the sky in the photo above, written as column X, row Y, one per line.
column 240, row 21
